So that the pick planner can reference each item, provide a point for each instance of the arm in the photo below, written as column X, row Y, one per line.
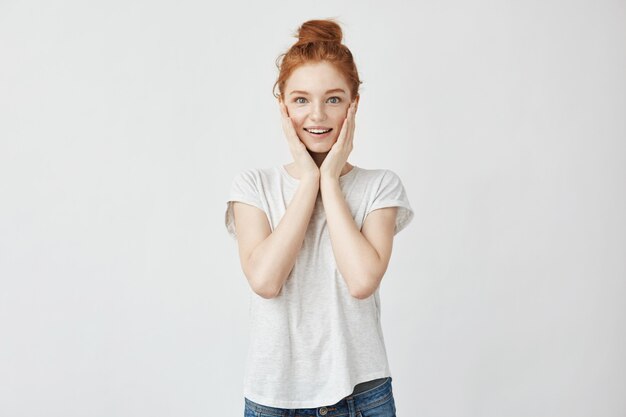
column 268, row 257
column 362, row 256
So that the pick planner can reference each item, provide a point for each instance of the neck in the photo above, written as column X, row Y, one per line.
column 318, row 157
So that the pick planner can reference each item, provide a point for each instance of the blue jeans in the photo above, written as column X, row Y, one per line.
column 375, row 402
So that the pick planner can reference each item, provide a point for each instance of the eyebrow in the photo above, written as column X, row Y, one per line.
column 334, row 90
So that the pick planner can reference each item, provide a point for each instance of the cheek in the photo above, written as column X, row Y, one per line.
column 298, row 119
column 295, row 108
column 340, row 115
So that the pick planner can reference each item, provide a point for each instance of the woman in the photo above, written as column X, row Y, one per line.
column 315, row 238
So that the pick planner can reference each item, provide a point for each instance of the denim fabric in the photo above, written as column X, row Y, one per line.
column 375, row 402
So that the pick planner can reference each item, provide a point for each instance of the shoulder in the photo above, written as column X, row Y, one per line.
column 378, row 176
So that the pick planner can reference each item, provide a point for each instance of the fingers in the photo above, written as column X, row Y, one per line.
column 283, row 109
column 343, row 131
column 347, row 128
column 352, row 116
column 290, row 132
column 287, row 123
column 352, row 124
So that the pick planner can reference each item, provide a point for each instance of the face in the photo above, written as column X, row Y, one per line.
column 317, row 96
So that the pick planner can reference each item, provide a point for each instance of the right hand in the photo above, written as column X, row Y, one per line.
column 306, row 165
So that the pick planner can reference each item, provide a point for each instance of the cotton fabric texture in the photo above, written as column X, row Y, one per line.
column 310, row 345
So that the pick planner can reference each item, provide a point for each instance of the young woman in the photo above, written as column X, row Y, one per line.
column 315, row 238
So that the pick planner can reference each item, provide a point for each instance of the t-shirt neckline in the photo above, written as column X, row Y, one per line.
column 293, row 180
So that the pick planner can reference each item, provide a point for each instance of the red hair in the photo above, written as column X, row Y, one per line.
column 318, row 40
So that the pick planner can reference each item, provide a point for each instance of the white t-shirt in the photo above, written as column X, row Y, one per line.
column 311, row 344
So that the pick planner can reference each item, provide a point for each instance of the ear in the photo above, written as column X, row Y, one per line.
column 356, row 102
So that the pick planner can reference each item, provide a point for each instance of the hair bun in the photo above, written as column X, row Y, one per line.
column 318, row 41
column 319, row 31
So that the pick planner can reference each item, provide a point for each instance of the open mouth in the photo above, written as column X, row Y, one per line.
column 318, row 132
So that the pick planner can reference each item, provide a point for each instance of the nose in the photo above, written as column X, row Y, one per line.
column 318, row 114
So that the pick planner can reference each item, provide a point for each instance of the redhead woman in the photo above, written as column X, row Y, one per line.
column 315, row 239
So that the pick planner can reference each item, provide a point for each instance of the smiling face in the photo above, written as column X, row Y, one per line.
column 317, row 97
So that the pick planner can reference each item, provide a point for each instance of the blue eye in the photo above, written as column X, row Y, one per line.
column 338, row 99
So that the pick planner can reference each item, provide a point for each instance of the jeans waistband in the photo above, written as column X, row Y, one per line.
column 361, row 401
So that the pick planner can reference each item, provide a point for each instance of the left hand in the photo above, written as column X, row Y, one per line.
column 338, row 155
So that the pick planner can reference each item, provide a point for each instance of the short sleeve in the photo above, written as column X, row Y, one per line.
column 391, row 193
column 244, row 189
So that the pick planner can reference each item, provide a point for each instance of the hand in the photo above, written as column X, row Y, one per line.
column 305, row 163
column 338, row 155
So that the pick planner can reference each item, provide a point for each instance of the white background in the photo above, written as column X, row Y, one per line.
column 122, row 124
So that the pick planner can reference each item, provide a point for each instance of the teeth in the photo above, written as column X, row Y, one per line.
column 317, row 130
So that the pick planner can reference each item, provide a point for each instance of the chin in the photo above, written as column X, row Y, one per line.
column 319, row 148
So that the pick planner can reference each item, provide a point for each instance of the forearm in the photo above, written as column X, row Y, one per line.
column 357, row 260
column 273, row 259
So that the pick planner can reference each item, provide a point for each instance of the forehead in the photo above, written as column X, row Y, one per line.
column 316, row 78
